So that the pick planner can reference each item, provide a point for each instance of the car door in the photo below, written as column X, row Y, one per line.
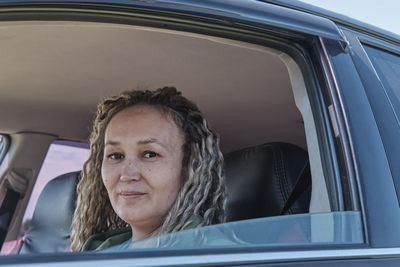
column 352, row 216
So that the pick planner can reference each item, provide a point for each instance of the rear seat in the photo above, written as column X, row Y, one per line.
column 259, row 181
column 261, row 178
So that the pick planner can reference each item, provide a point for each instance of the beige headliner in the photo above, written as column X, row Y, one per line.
column 53, row 75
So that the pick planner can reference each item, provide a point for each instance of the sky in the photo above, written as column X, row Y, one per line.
column 384, row 14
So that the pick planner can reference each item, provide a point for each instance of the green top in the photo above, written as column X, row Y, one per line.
column 108, row 239
column 118, row 236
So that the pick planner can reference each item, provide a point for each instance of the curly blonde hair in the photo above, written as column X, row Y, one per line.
column 202, row 193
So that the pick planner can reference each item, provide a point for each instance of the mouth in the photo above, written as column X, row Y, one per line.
column 131, row 194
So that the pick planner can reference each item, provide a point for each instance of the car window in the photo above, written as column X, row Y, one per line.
column 62, row 157
column 387, row 106
column 387, row 66
column 325, row 228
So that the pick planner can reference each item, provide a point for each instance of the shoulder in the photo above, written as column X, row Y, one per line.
column 108, row 239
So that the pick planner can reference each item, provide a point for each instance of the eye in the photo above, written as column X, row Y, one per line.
column 115, row 156
column 150, row 154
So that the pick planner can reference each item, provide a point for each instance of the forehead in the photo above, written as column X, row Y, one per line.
column 139, row 110
column 142, row 120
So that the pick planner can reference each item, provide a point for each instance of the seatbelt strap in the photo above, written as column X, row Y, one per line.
column 7, row 210
column 302, row 184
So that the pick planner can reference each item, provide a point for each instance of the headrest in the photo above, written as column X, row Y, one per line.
column 50, row 227
column 260, row 179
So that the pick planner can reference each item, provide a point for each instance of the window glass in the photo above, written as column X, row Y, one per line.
column 387, row 66
column 302, row 229
column 62, row 157
column 386, row 105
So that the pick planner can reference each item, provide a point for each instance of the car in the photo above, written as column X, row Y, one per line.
column 285, row 84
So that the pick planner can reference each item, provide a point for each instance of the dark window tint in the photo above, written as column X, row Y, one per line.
column 387, row 66
column 385, row 100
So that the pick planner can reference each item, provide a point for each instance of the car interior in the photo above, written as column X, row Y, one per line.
column 55, row 73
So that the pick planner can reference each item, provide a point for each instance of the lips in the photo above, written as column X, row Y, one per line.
column 131, row 194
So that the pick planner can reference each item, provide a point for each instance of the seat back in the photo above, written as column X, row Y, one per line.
column 50, row 227
column 260, row 179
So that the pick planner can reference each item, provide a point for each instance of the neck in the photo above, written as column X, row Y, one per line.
column 139, row 233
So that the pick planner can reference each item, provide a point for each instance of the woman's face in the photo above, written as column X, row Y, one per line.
column 142, row 165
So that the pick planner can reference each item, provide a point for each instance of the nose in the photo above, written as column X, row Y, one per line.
column 130, row 171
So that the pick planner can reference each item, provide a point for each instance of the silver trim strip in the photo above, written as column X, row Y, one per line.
column 333, row 120
column 236, row 258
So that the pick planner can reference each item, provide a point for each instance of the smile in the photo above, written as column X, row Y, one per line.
column 131, row 194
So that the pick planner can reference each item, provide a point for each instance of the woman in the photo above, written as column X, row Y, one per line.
column 155, row 166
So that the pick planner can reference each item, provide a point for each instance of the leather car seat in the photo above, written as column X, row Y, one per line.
column 261, row 178
column 49, row 229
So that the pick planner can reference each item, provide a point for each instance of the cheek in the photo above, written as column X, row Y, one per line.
column 166, row 181
column 107, row 175
column 176, row 181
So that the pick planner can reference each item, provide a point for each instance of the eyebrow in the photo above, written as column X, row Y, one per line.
column 150, row 141
column 112, row 143
column 140, row 142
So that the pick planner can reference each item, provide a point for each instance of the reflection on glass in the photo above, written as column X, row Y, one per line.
column 387, row 66
column 301, row 229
